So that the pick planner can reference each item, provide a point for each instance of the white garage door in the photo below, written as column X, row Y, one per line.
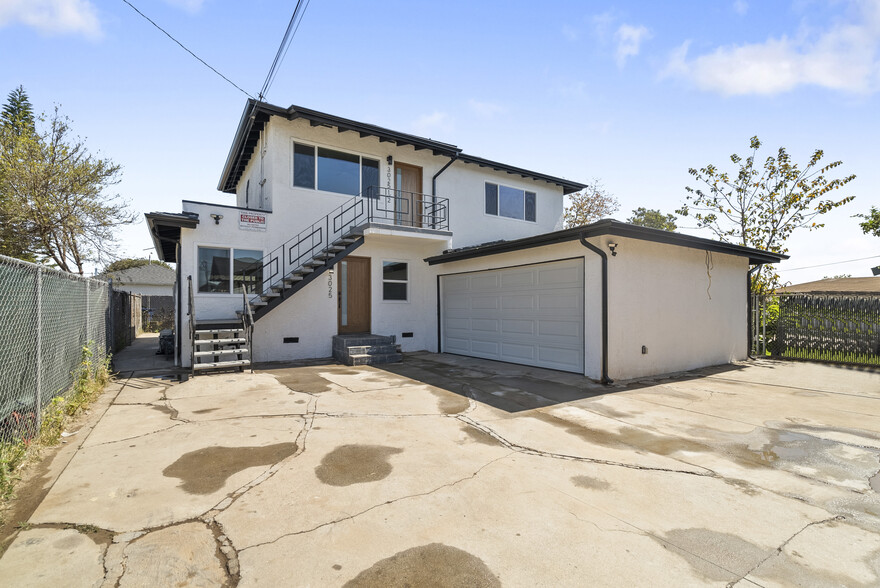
column 532, row 314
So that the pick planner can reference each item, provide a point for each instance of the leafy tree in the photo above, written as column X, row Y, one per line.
column 589, row 205
column 16, row 119
column 760, row 206
column 129, row 262
column 871, row 224
column 54, row 191
column 653, row 219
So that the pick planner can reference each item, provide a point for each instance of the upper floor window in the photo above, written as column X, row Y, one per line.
column 333, row 171
column 510, row 202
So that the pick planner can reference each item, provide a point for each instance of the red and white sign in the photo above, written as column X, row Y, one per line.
column 252, row 221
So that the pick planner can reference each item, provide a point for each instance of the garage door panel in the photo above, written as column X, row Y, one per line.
column 532, row 315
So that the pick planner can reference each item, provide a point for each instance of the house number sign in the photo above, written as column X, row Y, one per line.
column 330, row 285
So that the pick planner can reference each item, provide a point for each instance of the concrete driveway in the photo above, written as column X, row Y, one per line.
column 452, row 471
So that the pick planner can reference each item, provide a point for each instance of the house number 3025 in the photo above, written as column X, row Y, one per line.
column 329, row 286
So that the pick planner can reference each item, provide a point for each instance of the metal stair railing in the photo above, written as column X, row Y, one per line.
column 192, row 324
column 247, row 324
column 374, row 204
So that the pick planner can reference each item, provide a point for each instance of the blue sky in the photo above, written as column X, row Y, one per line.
column 631, row 93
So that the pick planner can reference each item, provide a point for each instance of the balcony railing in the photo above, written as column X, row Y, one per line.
column 374, row 205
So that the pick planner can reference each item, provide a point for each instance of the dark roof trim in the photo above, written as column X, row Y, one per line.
column 212, row 204
column 567, row 186
column 256, row 115
column 609, row 227
column 165, row 230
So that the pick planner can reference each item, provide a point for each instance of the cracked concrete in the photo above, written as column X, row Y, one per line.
column 752, row 474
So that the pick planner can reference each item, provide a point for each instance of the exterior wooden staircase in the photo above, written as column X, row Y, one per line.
column 220, row 344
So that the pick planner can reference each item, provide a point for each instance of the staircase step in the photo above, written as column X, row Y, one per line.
column 233, row 341
column 343, row 341
column 217, row 331
column 270, row 294
column 372, row 349
column 221, row 364
column 220, row 352
column 366, row 359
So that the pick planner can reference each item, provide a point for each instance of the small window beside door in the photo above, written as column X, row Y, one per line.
column 395, row 281
column 510, row 202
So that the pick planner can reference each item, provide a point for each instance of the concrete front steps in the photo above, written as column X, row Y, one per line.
column 365, row 349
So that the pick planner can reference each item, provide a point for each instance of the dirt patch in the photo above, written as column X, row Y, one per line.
column 716, row 556
column 356, row 464
column 480, row 436
column 206, row 470
column 449, row 402
column 590, row 483
column 436, row 565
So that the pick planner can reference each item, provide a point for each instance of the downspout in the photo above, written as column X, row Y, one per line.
column 605, row 379
column 177, row 361
column 749, row 308
column 434, row 186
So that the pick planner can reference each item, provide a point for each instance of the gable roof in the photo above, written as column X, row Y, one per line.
column 256, row 114
column 152, row 275
column 608, row 227
column 835, row 286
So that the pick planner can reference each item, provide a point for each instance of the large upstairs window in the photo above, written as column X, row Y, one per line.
column 510, row 202
column 333, row 171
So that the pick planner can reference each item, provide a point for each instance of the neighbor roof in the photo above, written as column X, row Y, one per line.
column 256, row 115
column 608, row 227
column 835, row 286
column 152, row 275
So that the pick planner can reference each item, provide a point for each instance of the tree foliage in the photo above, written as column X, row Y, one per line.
column 761, row 205
column 16, row 119
column 653, row 219
column 589, row 205
column 871, row 224
column 54, row 192
column 130, row 262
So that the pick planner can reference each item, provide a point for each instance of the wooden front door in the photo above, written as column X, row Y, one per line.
column 353, row 295
column 408, row 206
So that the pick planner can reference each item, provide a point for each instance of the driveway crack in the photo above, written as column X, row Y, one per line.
column 375, row 506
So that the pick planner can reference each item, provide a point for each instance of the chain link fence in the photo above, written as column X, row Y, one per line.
column 46, row 318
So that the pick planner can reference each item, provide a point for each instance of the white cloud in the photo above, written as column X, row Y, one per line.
column 431, row 123
column 52, row 16
column 842, row 57
column 192, row 6
column 485, row 109
column 629, row 41
column 740, row 7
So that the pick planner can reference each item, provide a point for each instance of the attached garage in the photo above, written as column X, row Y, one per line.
column 529, row 314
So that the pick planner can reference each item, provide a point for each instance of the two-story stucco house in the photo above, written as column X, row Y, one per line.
column 341, row 227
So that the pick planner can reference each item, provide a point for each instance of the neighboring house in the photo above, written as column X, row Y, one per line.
column 835, row 286
column 147, row 280
column 345, row 227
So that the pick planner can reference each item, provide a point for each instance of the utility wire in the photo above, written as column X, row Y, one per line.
column 293, row 26
column 826, row 264
column 187, row 50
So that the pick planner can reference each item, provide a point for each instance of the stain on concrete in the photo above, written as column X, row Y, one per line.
column 356, row 464
column 205, row 410
column 206, row 470
column 590, row 483
column 481, row 436
column 449, row 402
column 716, row 556
column 743, row 486
column 435, row 565
column 302, row 379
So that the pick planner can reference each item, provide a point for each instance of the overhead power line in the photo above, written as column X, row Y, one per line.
column 827, row 264
column 292, row 27
column 182, row 46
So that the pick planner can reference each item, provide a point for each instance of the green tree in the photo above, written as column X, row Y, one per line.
column 761, row 205
column 871, row 224
column 589, row 205
column 130, row 262
column 16, row 119
column 55, row 191
column 653, row 219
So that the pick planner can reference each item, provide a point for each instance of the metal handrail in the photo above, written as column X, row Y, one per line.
column 374, row 204
column 247, row 324
column 192, row 322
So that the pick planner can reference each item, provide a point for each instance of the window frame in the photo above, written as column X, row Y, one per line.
column 407, row 281
column 315, row 146
column 497, row 213
column 231, row 275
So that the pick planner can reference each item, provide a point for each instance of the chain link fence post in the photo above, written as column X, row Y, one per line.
column 38, row 351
